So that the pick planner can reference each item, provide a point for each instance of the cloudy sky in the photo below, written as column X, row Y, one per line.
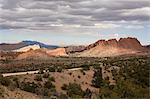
column 65, row 22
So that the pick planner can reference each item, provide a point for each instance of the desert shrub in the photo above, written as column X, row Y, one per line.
column 2, row 91
column 38, row 78
column 29, row 87
column 41, row 71
column 82, row 71
column 51, row 79
column 74, row 90
column 87, row 93
column 49, row 85
column 45, row 75
column 51, row 69
column 43, row 91
column 64, row 87
column 79, row 77
column 63, row 96
column 59, row 69
column 70, row 73
column 85, row 67
column 5, row 81
column 16, row 81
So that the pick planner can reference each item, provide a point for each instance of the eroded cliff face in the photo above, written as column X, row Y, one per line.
column 130, row 43
column 127, row 43
column 112, row 47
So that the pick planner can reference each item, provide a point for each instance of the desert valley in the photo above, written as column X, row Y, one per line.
column 74, row 49
column 104, row 69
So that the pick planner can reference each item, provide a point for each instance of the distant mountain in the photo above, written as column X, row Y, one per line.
column 9, row 47
column 42, row 45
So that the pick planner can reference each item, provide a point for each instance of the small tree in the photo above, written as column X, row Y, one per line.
column 30, row 87
column 74, row 89
column 97, row 78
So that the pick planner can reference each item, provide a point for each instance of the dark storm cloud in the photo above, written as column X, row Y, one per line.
column 44, row 14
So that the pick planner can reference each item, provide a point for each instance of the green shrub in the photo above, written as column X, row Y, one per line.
column 74, row 90
column 5, row 81
column 87, row 93
column 49, row 85
column 16, row 81
column 29, row 87
column 51, row 79
column 51, row 69
column 97, row 78
column 85, row 67
column 38, row 78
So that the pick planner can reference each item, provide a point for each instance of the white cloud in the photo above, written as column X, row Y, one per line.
column 100, row 25
column 78, row 14
column 138, row 11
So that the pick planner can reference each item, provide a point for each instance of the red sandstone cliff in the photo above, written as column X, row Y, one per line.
column 127, row 43
column 112, row 47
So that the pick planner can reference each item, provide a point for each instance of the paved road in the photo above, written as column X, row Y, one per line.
column 32, row 72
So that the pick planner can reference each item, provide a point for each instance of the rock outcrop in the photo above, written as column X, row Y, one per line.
column 27, row 48
column 73, row 49
column 127, row 43
column 33, row 54
column 112, row 47
column 42, row 53
column 57, row 52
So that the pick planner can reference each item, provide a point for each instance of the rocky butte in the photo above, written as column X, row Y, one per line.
column 127, row 43
column 113, row 47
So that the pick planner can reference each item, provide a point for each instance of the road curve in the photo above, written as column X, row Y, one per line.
column 31, row 72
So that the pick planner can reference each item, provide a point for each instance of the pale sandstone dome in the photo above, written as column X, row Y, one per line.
column 27, row 48
column 42, row 53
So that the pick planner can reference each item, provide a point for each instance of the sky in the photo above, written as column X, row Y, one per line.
column 74, row 22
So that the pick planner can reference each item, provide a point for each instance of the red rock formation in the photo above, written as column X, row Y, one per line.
column 130, row 43
column 112, row 47
column 127, row 43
